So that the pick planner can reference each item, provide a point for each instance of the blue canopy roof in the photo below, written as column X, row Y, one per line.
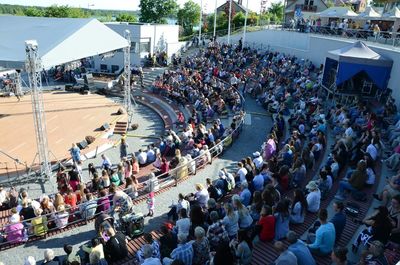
column 359, row 57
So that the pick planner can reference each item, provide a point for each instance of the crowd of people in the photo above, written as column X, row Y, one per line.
column 275, row 190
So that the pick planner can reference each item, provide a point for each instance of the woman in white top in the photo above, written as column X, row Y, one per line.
column 245, row 220
column 201, row 195
column 61, row 217
column 314, row 197
column 299, row 207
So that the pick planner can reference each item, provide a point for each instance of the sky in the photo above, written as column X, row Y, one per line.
column 208, row 5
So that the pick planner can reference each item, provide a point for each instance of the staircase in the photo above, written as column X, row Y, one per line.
column 121, row 127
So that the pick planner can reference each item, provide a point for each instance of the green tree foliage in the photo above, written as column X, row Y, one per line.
column 62, row 11
column 33, row 12
column 238, row 19
column 189, row 16
column 275, row 12
column 152, row 11
column 126, row 18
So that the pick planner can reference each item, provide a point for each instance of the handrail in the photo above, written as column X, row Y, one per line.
column 170, row 180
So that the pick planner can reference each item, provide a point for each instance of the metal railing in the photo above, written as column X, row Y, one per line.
column 168, row 179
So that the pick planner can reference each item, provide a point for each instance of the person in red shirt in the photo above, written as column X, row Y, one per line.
column 267, row 225
column 70, row 199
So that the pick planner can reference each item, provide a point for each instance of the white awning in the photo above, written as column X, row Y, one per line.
column 60, row 40
column 393, row 14
column 369, row 13
column 339, row 12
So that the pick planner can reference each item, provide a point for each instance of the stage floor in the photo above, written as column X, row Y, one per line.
column 69, row 118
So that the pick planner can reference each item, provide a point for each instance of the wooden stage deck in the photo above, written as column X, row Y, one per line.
column 69, row 118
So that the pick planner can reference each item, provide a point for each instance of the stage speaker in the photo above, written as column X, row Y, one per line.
column 105, row 126
column 82, row 145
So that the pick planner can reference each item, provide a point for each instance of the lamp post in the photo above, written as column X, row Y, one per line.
column 215, row 19
column 229, row 22
column 245, row 22
column 201, row 18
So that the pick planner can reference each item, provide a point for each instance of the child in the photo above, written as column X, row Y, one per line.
column 150, row 204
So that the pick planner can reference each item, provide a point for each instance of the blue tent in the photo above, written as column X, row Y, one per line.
column 351, row 60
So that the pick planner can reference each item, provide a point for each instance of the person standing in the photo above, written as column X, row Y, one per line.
column 123, row 149
column 75, row 153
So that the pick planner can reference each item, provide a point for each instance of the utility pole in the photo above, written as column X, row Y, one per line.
column 201, row 18
column 245, row 22
column 229, row 22
column 215, row 19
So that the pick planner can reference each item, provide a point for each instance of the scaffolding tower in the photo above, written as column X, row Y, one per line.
column 33, row 66
column 127, row 77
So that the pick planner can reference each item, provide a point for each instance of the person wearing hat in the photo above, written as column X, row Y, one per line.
column 258, row 160
column 299, row 249
column 314, row 197
column 14, row 232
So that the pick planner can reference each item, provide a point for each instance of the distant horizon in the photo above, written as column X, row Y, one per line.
column 124, row 5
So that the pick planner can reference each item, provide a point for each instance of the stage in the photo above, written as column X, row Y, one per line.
column 70, row 117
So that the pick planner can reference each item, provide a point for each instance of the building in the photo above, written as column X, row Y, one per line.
column 145, row 39
column 303, row 8
column 237, row 6
column 357, row 5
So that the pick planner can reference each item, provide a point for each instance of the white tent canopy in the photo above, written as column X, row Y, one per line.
column 358, row 52
column 60, row 40
column 339, row 12
column 392, row 14
column 369, row 13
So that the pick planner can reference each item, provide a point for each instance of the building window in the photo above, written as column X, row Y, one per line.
column 306, row 2
column 311, row 2
column 103, row 67
column 134, row 47
column 145, row 47
column 114, row 68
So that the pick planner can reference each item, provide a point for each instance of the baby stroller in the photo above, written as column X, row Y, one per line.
column 132, row 224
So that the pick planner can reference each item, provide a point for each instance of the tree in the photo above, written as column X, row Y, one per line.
column 152, row 11
column 189, row 16
column 238, row 19
column 252, row 18
column 126, row 18
column 57, row 11
column 33, row 12
column 276, row 12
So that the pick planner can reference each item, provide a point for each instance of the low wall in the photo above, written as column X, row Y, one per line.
column 316, row 47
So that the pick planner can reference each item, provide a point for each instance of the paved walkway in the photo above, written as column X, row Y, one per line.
column 251, row 139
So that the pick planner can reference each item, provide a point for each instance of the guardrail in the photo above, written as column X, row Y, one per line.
column 381, row 37
column 168, row 179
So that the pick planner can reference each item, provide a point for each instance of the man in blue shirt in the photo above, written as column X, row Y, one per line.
column 245, row 194
column 299, row 249
column 324, row 236
column 183, row 252
column 258, row 181
column 339, row 219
